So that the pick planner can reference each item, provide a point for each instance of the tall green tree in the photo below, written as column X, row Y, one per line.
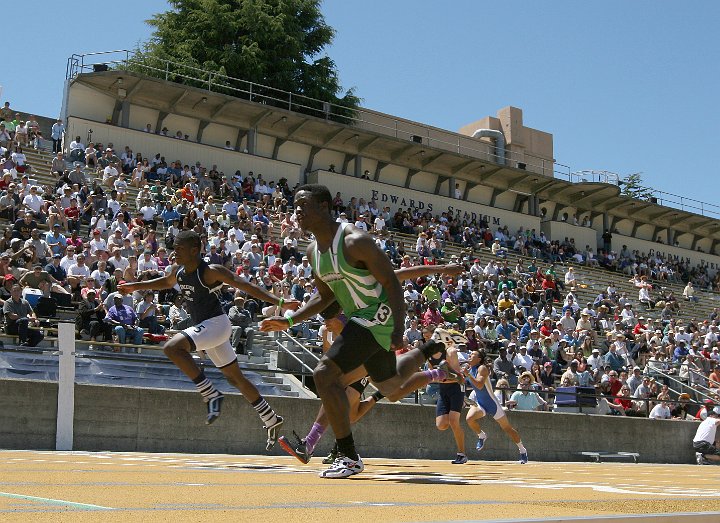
column 632, row 186
column 276, row 43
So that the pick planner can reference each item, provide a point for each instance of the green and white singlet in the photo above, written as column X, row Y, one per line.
column 360, row 296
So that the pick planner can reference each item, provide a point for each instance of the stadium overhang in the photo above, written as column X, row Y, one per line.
column 351, row 140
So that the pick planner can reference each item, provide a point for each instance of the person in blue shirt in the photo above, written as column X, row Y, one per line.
column 680, row 351
column 169, row 215
column 56, row 240
column 527, row 327
column 505, row 329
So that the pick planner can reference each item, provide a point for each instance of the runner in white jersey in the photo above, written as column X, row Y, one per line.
column 350, row 268
column 199, row 283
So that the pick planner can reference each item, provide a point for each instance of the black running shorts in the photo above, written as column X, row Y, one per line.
column 355, row 347
column 360, row 385
column 703, row 447
column 450, row 399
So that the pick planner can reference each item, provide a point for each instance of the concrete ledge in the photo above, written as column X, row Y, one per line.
column 158, row 420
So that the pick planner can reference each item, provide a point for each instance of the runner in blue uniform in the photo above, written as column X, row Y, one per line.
column 199, row 283
column 478, row 376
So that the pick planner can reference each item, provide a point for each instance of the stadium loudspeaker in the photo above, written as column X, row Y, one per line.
column 653, row 199
column 100, row 68
column 522, row 166
column 416, row 138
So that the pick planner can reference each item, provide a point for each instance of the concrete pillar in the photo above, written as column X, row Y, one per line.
column 125, row 118
column 252, row 141
column 358, row 171
column 606, row 222
column 451, row 187
column 670, row 236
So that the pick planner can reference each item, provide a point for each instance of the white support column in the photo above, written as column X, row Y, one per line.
column 66, row 387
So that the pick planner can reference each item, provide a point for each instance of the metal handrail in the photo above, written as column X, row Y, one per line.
column 287, row 351
column 594, row 176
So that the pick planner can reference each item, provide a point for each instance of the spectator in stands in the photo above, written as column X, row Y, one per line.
column 77, row 150
column 524, row 398
column 89, row 322
column 20, row 317
column 241, row 318
column 124, row 321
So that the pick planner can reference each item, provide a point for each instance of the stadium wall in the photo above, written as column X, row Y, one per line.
column 157, row 420
column 669, row 251
column 398, row 197
column 185, row 151
column 560, row 230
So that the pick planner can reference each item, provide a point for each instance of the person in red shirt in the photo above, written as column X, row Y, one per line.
column 276, row 271
column 72, row 214
column 271, row 243
column 432, row 314
column 547, row 327
column 186, row 192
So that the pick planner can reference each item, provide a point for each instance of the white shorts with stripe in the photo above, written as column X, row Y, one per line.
column 213, row 337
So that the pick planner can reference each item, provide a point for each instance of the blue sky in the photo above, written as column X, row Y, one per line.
column 623, row 86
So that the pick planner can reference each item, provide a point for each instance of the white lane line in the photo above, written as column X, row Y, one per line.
column 62, row 502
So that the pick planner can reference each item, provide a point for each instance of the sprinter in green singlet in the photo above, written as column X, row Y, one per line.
column 351, row 269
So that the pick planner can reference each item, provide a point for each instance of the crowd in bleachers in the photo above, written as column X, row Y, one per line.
column 107, row 214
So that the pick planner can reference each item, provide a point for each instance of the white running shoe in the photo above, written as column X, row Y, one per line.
column 449, row 338
column 343, row 467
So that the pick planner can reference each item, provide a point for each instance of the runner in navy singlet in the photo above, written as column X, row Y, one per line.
column 199, row 283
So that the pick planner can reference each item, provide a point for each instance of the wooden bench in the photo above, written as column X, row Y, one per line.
column 598, row 457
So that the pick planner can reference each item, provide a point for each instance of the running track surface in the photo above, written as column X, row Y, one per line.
column 147, row 487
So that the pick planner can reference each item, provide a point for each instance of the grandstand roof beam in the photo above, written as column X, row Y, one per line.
column 489, row 174
column 134, row 89
column 311, row 157
column 409, row 177
column 495, row 194
column 461, row 166
column 662, row 214
column 276, row 147
column 378, row 169
column 439, row 182
column 401, row 152
column 295, row 128
column 201, row 129
column 260, row 117
column 545, row 185
column 173, row 105
column 329, row 137
column 430, row 160
column 347, row 158
column 220, row 108
column 362, row 147
column 469, row 186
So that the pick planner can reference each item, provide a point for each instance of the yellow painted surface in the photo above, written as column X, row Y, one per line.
column 90, row 487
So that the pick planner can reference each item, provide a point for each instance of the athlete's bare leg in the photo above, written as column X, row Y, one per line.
column 418, row 379
column 472, row 417
column 329, row 381
column 452, row 421
column 235, row 376
column 178, row 350
column 509, row 430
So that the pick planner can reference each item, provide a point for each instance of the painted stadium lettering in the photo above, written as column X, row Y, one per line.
column 461, row 214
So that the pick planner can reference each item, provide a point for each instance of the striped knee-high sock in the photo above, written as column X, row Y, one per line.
column 265, row 411
column 205, row 387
